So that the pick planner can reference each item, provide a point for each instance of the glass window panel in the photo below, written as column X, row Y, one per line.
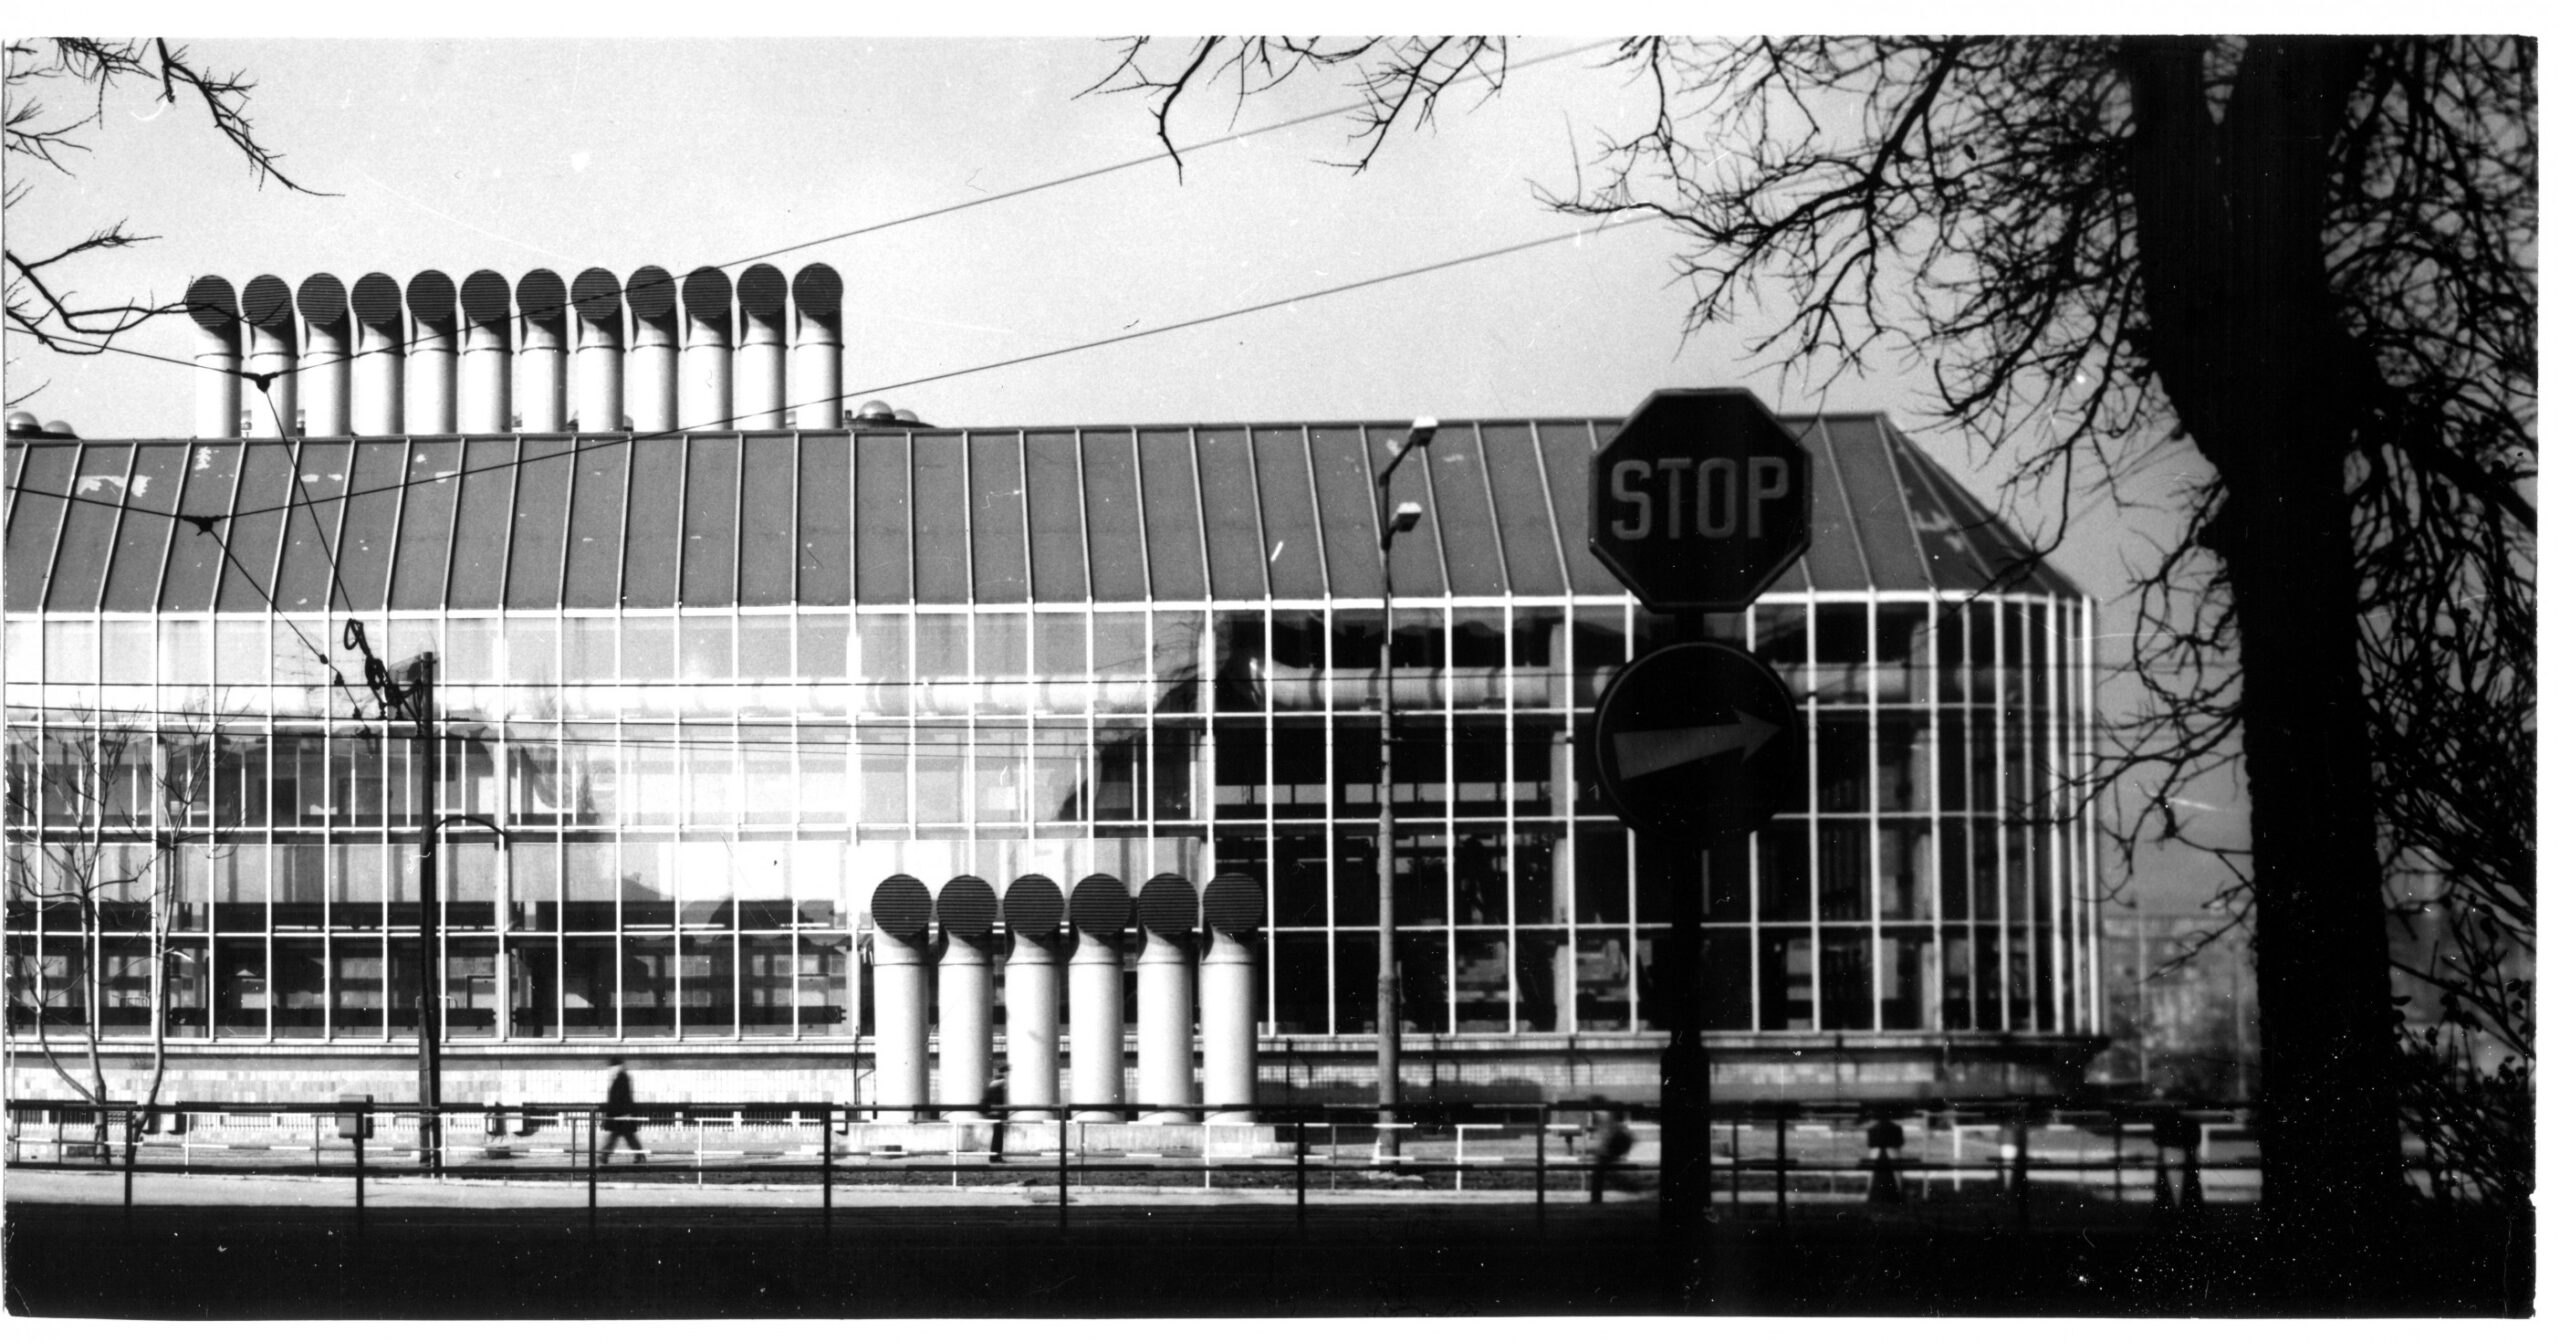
column 125, row 653
column 826, row 515
column 1786, row 979
column 1058, row 661
column 1422, row 772
column 1464, row 512
column 1298, row 769
column 1528, row 532
column 1840, row 759
column 142, row 537
column 705, row 885
column 1243, row 788
column 1482, row 875
column 1054, row 495
column 35, row 521
column 1786, row 873
column 1422, row 878
column 884, row 773
column 648, row 649
column 1566, row 453
column 1060, row 788
column 1294, row 674
column 1355, row 984
column 535, row 552
column 89, row 530
column 1299, row 978
column 997, row 759
column 942, row 651
column 1002, row 658
column 591, row 878
column 1347, row 504
column 1543, row 972
column 419, row 566
column 1599, row 647
column 825, row 969
column 1902, row 762
column 1175, row 773
column 1292, row 548
column 1480, row 767
column 886, row 670
column 764, row 759
column 883, row 559
column 941, row 517
column 266, row 475
column 650, row 567
column 1113, row 525
column 764, row 647
column 1841, row 874
column 1834, row 560
column 589, row 974
column 822, row 790
column 1480, row 986
column 594, row 554
column 1848, row 987
column 1602, row 997
column 767, row 985
column 941, row 757
column 705, row 654
column 480, row 525
column 999, row 552
column 648, row 990
column 822, row 646
column 195, row 563
column 1240, row 660
column 1415, row 557
column 588, row 649
column 1908, row 869
column 647, row 875
column 1725, row 996
column 766, row 548
column 473, row 883
column 1237, row 548
column 1176, row 556
column 1120, row 768
column 710, row 777
column 1178, row 635
column 1123, row 668
column 711, row 520
column 648, row 792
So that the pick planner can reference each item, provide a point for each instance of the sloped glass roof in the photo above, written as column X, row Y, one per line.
column 893, row 516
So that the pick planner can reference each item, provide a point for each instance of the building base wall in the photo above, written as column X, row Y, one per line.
column 1436, row 1070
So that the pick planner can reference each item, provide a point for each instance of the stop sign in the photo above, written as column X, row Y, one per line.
column 1700, row 501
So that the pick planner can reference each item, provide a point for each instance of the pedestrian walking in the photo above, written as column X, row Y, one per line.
column 1609, row 1141
column 621, row 1121
column 995, row 1102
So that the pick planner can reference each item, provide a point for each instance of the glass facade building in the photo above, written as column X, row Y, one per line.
column 701, row 694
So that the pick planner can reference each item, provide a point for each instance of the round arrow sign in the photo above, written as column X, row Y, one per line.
column 1699, row 742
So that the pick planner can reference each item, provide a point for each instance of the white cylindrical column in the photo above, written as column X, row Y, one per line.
column 488, row 354
column 542, row 358
column 266, row 308
column 1232, row 907
column 762, row 348
column 216, row 312
column 431, row 353
column 598, row 298
column 650, row 373
column 1096, row 1037
column 328, row 355
column 380, row 370
column 900, row 979
column 817, row 350
column 1033, row 909
column 704, row 402
column 967, row 911
column 1168, row 910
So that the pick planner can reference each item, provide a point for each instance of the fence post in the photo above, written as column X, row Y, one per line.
column 132, row 1120
column 827, row 1168
column 1782, row 1168
column 1542, row 1166
column 1301, row 1145
column 2022, row 1171
column 1063, row 1113
column 364, row 1120
column 593, row 1118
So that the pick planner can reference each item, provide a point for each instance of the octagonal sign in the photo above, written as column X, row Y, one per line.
column 1700, row 501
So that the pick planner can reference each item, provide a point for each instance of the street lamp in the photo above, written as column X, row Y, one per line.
column 1390, row 1024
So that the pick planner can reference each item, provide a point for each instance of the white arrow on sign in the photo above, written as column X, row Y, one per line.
column 1641, row 753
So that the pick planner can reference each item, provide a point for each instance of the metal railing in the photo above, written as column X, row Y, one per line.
column 1775, row 1156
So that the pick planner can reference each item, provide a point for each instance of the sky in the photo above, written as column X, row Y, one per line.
column 514, row 153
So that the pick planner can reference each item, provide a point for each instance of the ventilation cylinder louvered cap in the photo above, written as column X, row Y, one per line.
column 706, row 297
column 211, row 303
column 376, row 300
column 431, row 299
column 484, row 299
column 1033, row 907
column 967, row 907
column 761, row 292
column 598, row 295
column 266, row 303
column 543, row 299
column 1233, row 904
column 1100, row 905
column 902, row 907
column 651, row 294
column 322, row 299
column 1168, row 906
column 818, row 291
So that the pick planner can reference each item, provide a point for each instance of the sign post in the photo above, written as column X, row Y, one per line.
column 1698, row 503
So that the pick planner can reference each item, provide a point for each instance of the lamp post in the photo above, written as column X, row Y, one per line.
column 1390, row 1024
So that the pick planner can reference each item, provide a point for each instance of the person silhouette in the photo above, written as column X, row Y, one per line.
column 621, row 1121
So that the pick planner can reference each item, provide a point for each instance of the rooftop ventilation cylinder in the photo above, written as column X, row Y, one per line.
column 379, row 373
column 542, row 353
column 216, row 312
column 705, row 402
column 488, row 353
column 597, row 295
column 266, row 308
column 650, row 372
column 763, row 348
column 817, row 347
column 327, row 355
column 431, row 353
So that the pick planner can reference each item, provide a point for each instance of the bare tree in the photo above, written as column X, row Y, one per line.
column 100, row 816
column 42, row 297
column 2314, row 258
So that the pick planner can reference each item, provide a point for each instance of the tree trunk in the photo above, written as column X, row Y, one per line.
column 2247, row 343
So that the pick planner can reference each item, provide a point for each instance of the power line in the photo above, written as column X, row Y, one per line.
column 547, row 311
